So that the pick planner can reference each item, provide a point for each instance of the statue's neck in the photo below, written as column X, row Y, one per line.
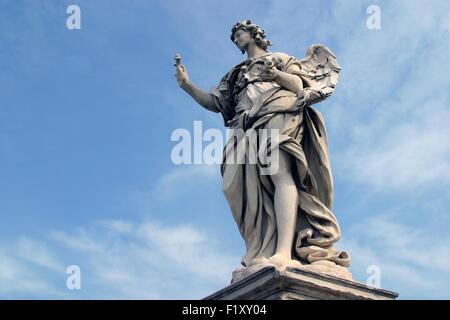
column 254, row 51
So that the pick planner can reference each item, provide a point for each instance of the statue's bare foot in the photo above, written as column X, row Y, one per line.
column 261, row 260
column 330, row 268
column 280, row 260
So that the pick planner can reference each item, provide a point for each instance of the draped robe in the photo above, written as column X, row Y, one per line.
column 245, row 103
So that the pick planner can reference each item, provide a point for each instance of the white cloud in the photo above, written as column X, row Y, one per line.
column 150, row 261
column 415, row 245
column 391, row 107
column 20, row 279
column 405, row 156
column 117, row 225
column 38, row 253
column 183, row 179
column 413, row 261
column 119, row 260
column 194, row 250
column 81, row 242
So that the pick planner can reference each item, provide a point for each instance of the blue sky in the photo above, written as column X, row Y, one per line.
column 86, row 118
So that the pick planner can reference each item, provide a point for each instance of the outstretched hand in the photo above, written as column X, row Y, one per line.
column 181, row 75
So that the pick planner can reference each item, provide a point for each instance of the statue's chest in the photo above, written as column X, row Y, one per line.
column 248, row 74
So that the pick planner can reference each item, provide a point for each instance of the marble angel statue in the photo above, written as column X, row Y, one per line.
column 285, row 218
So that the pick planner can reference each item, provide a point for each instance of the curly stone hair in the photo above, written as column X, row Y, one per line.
column 255, row 31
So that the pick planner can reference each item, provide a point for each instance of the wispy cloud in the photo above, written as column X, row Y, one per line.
column 21, row 277
column 182, row 179
column 119, row 260
column 411, row 261
column 391, row 107
column 38, row 253
column 149, row 260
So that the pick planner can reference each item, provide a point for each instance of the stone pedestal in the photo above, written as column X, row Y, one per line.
column 273, row 283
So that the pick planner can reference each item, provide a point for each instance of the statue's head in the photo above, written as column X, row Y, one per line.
column 247, row 31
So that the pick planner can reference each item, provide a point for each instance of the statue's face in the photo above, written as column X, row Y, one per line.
column 242, row 39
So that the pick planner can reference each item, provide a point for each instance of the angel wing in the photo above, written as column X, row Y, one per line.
column 320, row 71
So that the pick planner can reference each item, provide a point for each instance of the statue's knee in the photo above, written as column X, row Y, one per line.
column 281, row 176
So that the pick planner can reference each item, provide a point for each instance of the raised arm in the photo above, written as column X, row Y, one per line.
column 203, row 98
